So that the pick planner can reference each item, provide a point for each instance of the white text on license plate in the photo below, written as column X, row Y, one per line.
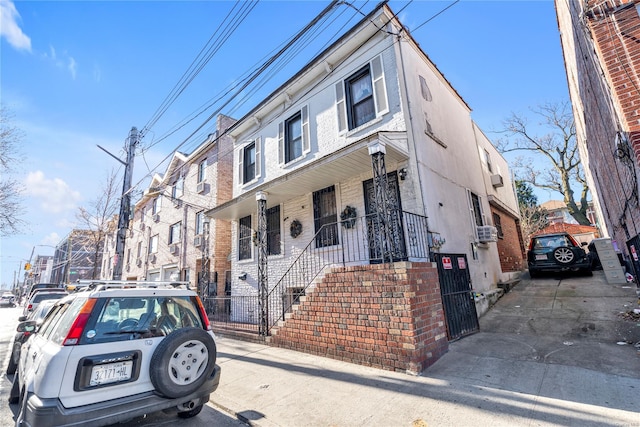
column 541, row 257
column 111, row 372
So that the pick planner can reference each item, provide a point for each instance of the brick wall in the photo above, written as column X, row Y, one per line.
column 387, row 316
column 510, row 247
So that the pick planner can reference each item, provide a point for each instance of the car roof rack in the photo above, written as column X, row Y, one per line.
column 107, row 284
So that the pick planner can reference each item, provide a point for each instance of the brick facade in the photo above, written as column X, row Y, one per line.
column 510, row 245
column 387, row 316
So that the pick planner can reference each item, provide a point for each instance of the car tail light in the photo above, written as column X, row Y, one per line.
column 203, row 314
column 30, row 307
column 75, row 332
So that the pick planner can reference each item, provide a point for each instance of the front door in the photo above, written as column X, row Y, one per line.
column 384, row 232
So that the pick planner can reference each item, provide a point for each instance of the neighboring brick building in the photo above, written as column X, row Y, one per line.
column 602, row 59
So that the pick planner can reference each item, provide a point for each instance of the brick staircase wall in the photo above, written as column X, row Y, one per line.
column 387, row 316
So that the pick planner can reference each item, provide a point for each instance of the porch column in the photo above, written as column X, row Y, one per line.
column 377, row 151
column 263, row 284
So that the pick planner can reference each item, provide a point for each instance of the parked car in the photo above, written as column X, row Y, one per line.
column 7, row 300
column 41, row 286
column 557, row 252
column 24, row 331
column 40, row 296
column 116, row 351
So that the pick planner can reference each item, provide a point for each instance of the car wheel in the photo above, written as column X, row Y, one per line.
column 564, row 255
column 182, row 362
column 192, row 413
column 13, row 365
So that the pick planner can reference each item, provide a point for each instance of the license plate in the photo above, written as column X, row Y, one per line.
column 111, row 373
column 541, row 257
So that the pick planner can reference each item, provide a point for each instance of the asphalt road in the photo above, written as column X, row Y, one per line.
column 8, row 322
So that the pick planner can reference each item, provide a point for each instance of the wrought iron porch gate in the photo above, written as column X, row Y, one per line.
column 457, row 296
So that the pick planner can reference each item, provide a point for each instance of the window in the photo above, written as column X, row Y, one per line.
column 139, row 251
column 199, row 222
column 273, row 231
column 174, row 232
column 128, row 256
column 143, row 213
column 202, row 170
column 476, row 209
column 294, row 137
column 153, row 244
column 157, row 204
column 244, row 238
column 249, row 159
column 497, row 222
column 362, row 97
column 325, row 216
column 178, row 188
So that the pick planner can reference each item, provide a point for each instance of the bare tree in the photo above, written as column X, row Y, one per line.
column 557, row 148
column 533, row 217
column 11, row 207
column 99, row 219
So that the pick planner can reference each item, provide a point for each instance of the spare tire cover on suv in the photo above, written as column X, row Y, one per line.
column 182, row 362
column 564, row 255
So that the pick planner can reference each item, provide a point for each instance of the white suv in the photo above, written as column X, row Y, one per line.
column 115, row 351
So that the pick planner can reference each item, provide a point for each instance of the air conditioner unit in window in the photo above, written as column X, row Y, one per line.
column 200, row 187
column 197, row 241
column 487, row 233
column 152, row 258
column 177, row 203
column 139, row 262
column 141, row 226
column 496, row 180
column 174, row 249
column 156, row 218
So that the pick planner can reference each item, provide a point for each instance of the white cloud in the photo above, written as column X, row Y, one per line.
column 9, row 28
column 73, row 67
column 51, row 239
column 54, row 195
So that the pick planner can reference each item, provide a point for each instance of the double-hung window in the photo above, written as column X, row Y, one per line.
column 475, row 209
column 249, row 165
column 362, row 96
column 244, row 238
column 153, row 244
column 199, row 223
column 497, row 222
column 273, row 231
column 157, row 204
column 174, row 232
column 178, row 189
column 294, row 136
column 325, row 216
column 202, row 171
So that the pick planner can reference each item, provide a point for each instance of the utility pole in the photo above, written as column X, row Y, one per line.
column 125, row 201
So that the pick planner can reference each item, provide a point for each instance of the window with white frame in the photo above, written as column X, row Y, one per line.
column 249, row 162
column 244, row 238
column 362, row 96
column 157, row 204
column 202, row 171
column 294, row 137
column 143, row 213
column 139, row 251
column 497, row 223
column 178, row 188
column 199, row 222
column 153, row 244
column 475, row 210
column 174, row 232
column 273, row 231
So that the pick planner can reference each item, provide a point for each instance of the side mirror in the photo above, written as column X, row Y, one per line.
column 22, row 318
column 583, row 244
column 28, row 326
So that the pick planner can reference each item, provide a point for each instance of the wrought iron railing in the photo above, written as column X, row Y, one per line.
column 354, row 241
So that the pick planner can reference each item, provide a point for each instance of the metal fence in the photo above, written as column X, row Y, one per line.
column 398, row 236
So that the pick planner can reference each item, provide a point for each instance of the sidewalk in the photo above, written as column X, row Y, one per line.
column 549, row 353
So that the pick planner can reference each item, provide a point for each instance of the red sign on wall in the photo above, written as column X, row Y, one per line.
column 446, row 263
column 461, row 263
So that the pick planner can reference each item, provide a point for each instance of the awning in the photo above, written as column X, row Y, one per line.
column 336, row 167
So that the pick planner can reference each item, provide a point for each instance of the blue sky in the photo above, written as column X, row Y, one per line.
column 77, row 74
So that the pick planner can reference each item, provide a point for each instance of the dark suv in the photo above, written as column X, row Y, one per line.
column 557, row 252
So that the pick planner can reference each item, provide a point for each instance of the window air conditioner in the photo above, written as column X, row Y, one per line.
column 173, row 249
column 142, row 226
column 496, row 180
column 177, row 203
column 200, row 187
column 487, row 233
column 139, row 262
column 152, row 258
column 197, row 241
column 156, row 218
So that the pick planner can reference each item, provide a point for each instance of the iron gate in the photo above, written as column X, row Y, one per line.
column 457, row 296
column 634, row 257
